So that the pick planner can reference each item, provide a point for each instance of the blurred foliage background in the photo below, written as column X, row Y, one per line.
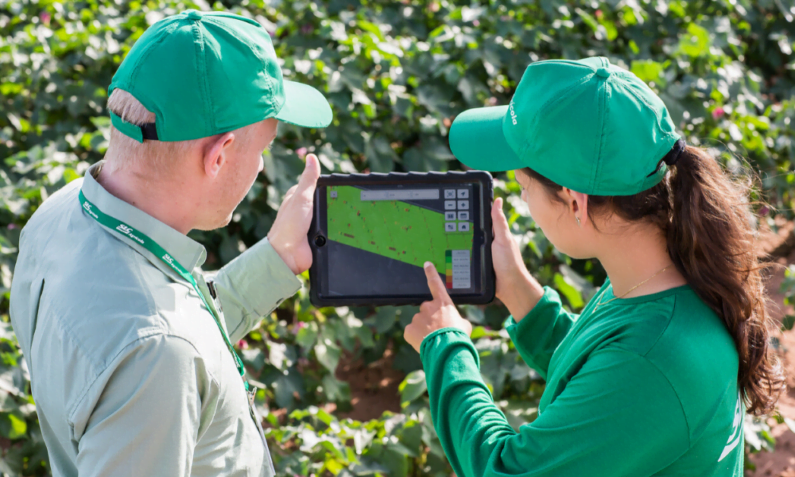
column 396, row 74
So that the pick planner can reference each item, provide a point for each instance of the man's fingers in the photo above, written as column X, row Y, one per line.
column 289, row 193
column 500, row 223
column 435, row 283
column 310, row 175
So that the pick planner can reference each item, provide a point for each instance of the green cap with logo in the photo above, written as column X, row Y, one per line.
column 587, row 125
column 206, row 73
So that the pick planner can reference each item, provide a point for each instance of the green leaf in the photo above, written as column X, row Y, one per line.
column 12, row 426
column 255, row 358
column 518, row 412
column 380, row 155
column 328, row 354
column 647, row 70
column 412, row 387
column 336, row 390
column 790, row 423
column 307, row 336
column 384, row 319
column 286, row 386
column 569, row 291
column 10, row 89
column 695, row 42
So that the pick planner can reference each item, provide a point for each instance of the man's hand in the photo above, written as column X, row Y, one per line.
column 516, row 288
column 288, row 234
column 435, row 314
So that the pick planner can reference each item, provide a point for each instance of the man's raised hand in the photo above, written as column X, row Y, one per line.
column 435, row 314
column 288, row 233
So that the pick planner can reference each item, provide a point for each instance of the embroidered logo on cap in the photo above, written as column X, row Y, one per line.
column 513, row 114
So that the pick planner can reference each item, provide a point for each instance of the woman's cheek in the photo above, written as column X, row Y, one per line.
column 549, row 221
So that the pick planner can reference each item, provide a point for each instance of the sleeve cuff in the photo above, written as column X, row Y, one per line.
column 456, row 335
column 261, row 276
column 527, row 324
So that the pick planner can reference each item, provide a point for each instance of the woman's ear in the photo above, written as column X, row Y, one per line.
column 577, row 203
column 215, row 154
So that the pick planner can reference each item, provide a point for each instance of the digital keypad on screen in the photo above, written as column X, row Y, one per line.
column 457, row 209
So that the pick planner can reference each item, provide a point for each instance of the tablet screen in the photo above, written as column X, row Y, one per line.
column 379, row 237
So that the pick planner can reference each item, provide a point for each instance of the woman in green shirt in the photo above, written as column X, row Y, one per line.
column 654, row 376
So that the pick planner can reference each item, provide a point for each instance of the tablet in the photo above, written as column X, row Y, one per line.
column 372, row 233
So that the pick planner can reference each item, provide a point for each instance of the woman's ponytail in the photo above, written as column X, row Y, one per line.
column 712, row 240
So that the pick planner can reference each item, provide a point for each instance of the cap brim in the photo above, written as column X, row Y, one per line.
column 477, row 140
column 304, row 106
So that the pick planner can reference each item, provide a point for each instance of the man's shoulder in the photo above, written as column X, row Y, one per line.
column 62, row 201
column 97, row 290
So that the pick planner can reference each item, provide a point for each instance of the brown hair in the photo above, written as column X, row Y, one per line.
column 711, row 235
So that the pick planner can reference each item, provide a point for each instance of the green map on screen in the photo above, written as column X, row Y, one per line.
column 391, row 228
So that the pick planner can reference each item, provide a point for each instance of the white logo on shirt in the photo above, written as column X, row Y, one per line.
column 168, row 259
column 737, row 428
column 87, row 206
column 128, row 231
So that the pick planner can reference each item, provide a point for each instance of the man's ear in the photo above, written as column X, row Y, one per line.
column 215, row 154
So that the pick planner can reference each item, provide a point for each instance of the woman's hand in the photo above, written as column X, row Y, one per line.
column 435, row 314
column 516, row 288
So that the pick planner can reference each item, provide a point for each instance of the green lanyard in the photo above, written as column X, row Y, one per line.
column 149, row 244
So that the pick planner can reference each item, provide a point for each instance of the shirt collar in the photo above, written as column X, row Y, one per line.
column 185, row 250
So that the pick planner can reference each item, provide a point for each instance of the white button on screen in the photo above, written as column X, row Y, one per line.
column 449, row 205
column 463, row 216
column 462, row 204
column 449, row 215
column 333, row 194
column 463, row 193
column 449, row 226
column 449, row 194
column 463, row 226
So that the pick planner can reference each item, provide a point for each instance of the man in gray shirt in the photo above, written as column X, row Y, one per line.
column 127, row 341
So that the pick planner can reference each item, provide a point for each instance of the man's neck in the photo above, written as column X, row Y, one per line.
column 634, row 257
column 161, row 201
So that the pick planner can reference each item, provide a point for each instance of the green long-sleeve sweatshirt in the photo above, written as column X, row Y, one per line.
column 643, row 386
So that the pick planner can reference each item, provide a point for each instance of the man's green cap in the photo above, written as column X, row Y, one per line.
column 206, row 73
column 586, row 125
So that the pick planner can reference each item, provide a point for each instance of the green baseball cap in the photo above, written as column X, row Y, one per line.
column 206, row 73
column 587, row 125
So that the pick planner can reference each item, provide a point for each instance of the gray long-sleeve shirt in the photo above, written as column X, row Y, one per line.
column 129, row 371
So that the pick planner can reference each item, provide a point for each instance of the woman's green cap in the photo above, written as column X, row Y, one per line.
column 206, row 73
column 586, row 125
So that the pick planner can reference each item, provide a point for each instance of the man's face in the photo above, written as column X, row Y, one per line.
column 244, row 163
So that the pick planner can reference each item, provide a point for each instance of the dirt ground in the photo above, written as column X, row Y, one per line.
column 374, row 387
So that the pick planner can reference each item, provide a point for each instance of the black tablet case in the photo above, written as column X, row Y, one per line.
column 482, row 238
